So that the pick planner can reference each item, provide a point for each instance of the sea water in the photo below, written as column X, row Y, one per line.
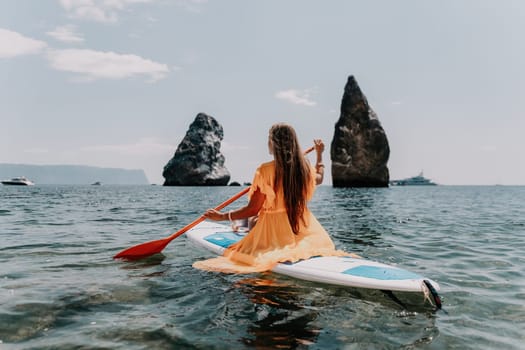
column 61, row 289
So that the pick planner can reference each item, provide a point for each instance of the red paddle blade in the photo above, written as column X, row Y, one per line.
column 143, row 250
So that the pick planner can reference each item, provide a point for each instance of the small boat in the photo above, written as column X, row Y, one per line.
column 18, row 181
column 419, row 180
column 98, row 183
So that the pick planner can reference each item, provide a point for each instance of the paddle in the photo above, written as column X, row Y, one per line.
column 144, row 250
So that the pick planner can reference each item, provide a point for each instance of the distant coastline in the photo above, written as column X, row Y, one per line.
column 73, row 174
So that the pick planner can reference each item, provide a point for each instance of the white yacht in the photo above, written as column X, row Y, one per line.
column 18, row 181
column 419, row 180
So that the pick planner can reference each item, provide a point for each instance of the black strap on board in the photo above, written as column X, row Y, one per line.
column 434, row 293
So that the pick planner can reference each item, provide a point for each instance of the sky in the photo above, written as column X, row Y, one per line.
column 116, row 83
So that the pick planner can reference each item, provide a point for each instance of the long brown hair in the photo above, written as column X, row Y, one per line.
column 292, row 171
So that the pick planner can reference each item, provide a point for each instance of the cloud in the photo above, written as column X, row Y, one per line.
column 66, row 34
column 146, row 146
column 92, row 65
column 97, row 10
column 298, row 97
column 192, row 5
column 14, row 44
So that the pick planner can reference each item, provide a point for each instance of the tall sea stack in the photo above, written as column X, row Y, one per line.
column 198, row 160
column 359, row 149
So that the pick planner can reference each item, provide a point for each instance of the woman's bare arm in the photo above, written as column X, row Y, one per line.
column 251, row 209
column 319, row 166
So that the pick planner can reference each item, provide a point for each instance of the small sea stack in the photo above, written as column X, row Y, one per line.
column 198, row 160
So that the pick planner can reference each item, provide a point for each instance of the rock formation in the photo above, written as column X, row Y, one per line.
column 359, row 149
column 198, row 160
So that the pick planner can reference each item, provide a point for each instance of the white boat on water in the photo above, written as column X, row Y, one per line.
column 18, row 181
column 419, row 180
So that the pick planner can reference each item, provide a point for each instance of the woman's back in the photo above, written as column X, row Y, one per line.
column 264, row 180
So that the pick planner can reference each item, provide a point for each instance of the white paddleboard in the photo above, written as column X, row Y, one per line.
column 343, row 271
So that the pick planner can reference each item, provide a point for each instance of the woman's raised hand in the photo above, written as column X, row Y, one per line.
column 319, row 146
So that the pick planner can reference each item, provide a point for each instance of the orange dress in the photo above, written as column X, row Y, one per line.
column 272, row 239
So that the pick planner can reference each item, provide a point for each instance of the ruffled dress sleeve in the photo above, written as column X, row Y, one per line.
column 263, row 181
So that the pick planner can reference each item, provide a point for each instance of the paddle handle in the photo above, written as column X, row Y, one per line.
column 219, row 207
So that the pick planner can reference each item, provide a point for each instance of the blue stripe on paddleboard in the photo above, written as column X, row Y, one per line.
column 223, row 239
column 381, row 273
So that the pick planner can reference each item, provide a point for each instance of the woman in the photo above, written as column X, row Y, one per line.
column 285, row 229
